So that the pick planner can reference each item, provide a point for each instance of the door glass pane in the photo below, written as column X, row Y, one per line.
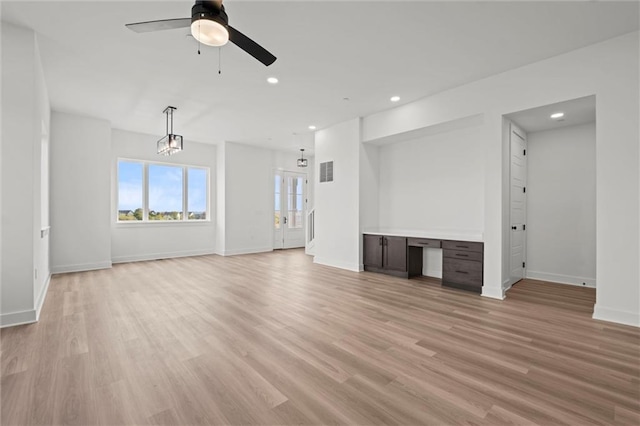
column 295, row 202
column 276, row 202
column 197, row 194
column 129, row 191
column 165, row 192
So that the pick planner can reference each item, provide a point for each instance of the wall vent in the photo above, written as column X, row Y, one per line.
column 326, row 172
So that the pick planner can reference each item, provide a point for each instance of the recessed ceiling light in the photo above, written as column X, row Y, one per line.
column 557, row 115
column 272, row 80
column 312, row 127
column 395, row 98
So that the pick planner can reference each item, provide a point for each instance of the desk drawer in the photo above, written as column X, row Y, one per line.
column 424, row 242
column 465, row 255
column 462, row 245
column 462, row 271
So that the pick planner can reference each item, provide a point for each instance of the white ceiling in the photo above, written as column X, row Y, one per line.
column 576, row 111
column 327, row 51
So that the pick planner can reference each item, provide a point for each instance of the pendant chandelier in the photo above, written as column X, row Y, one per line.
column 170, row 143
column 302, row 162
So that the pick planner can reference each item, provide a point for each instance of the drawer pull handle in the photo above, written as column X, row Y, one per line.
column 462, row 272
column 462, row 255
column 462, row 246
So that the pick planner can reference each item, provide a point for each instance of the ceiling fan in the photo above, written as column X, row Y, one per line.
column 209, row 25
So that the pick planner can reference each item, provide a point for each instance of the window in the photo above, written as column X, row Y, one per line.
column 165, row 192
column 197, row 194
column 130, row 190
column 156, row 192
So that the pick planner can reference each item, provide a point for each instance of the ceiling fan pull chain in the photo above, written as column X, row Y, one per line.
column 199, row 36
column 219, row 60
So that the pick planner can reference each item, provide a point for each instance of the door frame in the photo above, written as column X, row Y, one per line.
column 281, row 171
column 512, row 129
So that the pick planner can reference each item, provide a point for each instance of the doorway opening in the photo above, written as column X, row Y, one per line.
column 550, row 204
column 290, row 199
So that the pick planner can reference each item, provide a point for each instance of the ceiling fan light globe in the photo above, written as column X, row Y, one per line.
column 209, row 32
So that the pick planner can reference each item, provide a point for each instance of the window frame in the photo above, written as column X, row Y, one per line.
column 145, row 193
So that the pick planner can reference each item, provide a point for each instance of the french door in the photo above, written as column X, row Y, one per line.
column 289, row 209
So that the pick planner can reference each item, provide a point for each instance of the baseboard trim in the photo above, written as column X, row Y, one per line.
column 42, row 296
column 562, row 279
column 158, row 256
column 337, row 264
column 506, row 285
column 18, row 318
column 80, row 267
column 238, row 252
column 614, row 315
column 493, row 292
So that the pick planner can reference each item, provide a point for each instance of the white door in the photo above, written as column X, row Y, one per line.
column 518, row 204
column 289, row 212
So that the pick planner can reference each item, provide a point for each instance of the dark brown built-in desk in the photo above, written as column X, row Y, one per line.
column 462, row 261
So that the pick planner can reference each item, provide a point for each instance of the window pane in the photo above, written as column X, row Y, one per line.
column 277, row 202
column 165, row 192
column 295, row 203
column 129, row 190
column 197, row 194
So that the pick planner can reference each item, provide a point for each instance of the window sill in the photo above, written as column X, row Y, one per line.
column 162, row 223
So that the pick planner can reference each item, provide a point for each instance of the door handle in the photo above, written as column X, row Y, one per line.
column 285, row 220
column 513, row 227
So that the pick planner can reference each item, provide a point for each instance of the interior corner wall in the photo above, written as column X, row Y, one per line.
column 561, row 205
column 369, row 182
column 25, row 118
column 147, row 241
column 248, row 199
column 80, row 193
column 609, row 70
column 337, row 203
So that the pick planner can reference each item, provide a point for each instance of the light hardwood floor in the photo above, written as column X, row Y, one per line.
column 274, row 339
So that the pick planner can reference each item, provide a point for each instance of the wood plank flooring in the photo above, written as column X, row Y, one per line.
column 272, row 339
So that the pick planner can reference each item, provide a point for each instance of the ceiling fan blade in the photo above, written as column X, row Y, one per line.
column 164, row 24
column 251, row 47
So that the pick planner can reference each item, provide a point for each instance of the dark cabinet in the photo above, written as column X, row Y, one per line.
column 372, row 255
column 385, row 254
column 462, row 265
column 394, row 253
column 462, row 261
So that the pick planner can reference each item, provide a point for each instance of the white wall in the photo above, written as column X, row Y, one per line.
column 25, row 117
column 608, row 70
column 433, row 183
column 145, row 241
column 337, row 203
column 248, row 199
column 561, row 205
column 80, row 193
column 221, row 198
